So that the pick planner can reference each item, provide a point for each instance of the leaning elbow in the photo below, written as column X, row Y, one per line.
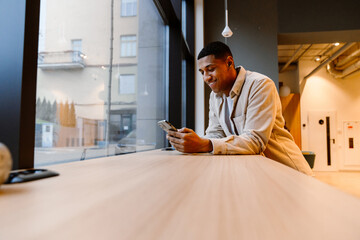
column 260, row 142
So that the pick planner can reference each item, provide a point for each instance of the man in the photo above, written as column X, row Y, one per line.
column 245, row 114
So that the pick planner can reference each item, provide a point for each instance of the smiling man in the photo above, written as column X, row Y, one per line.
column 245, row 114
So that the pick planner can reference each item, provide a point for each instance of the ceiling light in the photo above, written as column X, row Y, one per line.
column 318, row 58
column 284, row 91
column 227, row 31
column 336, row 44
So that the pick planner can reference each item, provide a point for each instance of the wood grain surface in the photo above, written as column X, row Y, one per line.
column 169, row 195
column 291, row 113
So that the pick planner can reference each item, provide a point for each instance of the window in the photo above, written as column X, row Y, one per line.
column 128, row 46
column 76, row 81
column 127, row 84
column 80, row 113
column 183, row 18
column 128, row 8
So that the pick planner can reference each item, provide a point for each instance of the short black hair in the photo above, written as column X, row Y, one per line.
column 218, row 49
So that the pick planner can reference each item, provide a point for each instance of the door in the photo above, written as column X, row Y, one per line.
column 322, row 139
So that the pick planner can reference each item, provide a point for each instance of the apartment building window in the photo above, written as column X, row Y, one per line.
column 128, row 46
column 127, row 84
column 128, row 8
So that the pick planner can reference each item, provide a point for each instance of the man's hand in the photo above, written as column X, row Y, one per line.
column 187, row 141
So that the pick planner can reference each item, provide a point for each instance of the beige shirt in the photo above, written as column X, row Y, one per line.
column 257, row 120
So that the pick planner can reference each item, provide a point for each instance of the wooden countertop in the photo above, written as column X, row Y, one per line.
column 169, row 195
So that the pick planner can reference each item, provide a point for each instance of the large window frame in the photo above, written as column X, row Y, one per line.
column 19, row 72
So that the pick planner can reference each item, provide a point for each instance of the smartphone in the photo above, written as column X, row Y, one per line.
column 166, row 126
column 29, row 175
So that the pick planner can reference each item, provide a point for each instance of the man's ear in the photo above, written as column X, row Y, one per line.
column 230, row 61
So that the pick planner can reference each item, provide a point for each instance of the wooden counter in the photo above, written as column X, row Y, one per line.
column 169, row 195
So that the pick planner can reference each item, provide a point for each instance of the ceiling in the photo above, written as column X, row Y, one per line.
column 342, row 59
column 306, row 52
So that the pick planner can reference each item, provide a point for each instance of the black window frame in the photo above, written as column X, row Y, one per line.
column 181, row 101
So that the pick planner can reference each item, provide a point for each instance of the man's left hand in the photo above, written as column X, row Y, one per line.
column 187, row 141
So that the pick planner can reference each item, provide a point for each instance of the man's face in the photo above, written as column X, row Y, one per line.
column 216, row 73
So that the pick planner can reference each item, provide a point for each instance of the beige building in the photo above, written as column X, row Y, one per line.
column 74, row 66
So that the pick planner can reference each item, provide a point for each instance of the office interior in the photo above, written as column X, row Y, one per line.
column 61, row 65
column 284, row 40
column 83, row 81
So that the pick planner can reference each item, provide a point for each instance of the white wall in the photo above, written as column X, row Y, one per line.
column 322, row 92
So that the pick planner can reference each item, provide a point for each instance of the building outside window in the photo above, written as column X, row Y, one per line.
column 127, row 84
column 128, row 8
column 128, row 46
column 75, row 75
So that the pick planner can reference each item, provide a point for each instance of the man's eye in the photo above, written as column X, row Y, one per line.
column 211, row 69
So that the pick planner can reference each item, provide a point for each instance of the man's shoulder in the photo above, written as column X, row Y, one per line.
column 255, row 80
column 255, row 76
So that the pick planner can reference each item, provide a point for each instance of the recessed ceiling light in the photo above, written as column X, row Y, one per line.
column 317, row 58
column 336, row 44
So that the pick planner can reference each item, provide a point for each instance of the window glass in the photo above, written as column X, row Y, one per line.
column 128, row 8
column 92, row 101
column 128, row 46
column 183, row 18
column 127, row 84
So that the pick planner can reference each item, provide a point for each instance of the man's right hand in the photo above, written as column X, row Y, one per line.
column 187, row 141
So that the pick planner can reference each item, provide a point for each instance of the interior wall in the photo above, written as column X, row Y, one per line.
column 317, row 16
column 12, row 27
column 322, row 92
column 19, row 28
column 254, row 24
column 254, row 42
column 321, row 21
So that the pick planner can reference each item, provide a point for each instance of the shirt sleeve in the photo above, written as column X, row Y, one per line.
column 258, row 122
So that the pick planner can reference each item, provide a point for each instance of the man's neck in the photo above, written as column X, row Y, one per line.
column 236, row 73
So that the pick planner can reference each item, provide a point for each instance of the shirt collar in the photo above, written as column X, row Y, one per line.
column 239, row 82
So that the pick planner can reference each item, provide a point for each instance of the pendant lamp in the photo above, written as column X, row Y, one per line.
column 227, row 31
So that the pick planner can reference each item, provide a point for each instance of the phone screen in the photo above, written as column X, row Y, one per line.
column 166, row 126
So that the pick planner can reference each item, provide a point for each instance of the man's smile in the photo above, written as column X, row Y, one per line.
column 212, row 83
